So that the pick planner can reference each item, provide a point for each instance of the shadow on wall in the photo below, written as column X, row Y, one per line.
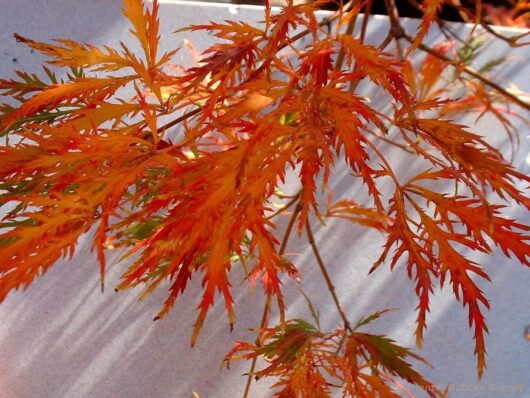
column 64, row 338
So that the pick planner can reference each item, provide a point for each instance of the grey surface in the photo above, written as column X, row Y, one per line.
column 64, row 338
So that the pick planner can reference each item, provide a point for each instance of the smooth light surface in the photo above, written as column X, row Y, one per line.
column 64, row 338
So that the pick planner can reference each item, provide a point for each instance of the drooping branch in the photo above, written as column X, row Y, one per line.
column 327, row 278
column 325, row 21
column 398, row 32
column 267, row 307
column 470, row 71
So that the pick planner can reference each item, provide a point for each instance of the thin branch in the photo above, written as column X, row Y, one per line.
column 366, row 16
column 263, row 322
column 349, row 31
column 512, row 40
column 178, row 120
column 395, row 26
column 266, row 309
column 289, row 229
column 467, row 16
column 404, row 147
column 469, row 71
column 325, row 273
column 285, row 207
column 398, row 32
column 288, row 42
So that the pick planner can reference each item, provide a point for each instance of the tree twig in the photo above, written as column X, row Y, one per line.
column 285, row 207
column 289, row 41
column 390, row 141
column 467, row 16
column 398, row 32
column 470, row 71
column 395, row 26
column 329, row 283
column 349, row 31
column 512, row 40
column 366, row 16
column 267, row 307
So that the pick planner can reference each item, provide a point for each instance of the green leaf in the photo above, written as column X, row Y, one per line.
column 144, row 229
column 28, row 222
column 372, row 317
column 492, row 64
column 315, row 313
column 391, row 356
column 4, row 241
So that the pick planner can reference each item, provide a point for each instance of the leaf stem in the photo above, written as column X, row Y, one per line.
column 366, row 16
column 398, row 32
column 285, row 207
column 323, row 269
column 263, row 322
column 267, row 307
column 395, row 26
column 349, row 31
column 404, row 147
column 289, row 41
column 469, row 71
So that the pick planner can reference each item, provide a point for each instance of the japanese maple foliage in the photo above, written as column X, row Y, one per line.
column 195, row 195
